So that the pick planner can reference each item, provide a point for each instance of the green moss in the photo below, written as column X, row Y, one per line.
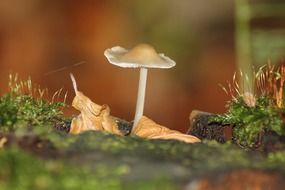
column 106, row 161
column 249, row 122
column 20, row 107
column 19, row 110
column 22, row 171
column 276, row 159
column 134, row 151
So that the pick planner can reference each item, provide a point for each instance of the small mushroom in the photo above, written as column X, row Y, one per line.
column 142, row 56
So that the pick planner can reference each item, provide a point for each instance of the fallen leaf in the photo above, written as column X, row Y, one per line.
column 147, row 128
column 92, row 116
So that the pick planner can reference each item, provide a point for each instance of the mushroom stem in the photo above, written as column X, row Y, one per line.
column 140, row 96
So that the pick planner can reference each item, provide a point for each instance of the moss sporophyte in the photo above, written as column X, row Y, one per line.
column 20, row 107
column 254, row 113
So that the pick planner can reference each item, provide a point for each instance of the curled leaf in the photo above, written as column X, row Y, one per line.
column 92, row 116
column 149, row 129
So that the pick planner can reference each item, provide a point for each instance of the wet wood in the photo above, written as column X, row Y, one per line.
column 201, row 127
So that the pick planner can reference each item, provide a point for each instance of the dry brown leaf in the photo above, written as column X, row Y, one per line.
column 92, row 116
column 149, row 129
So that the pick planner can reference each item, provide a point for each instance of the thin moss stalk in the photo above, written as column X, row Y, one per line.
column 254, row 114
column 24, row 106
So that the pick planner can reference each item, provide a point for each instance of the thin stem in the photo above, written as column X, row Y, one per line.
column 140, row 96
column 243, row 40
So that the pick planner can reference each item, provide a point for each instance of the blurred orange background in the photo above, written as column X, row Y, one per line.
column 40, row 37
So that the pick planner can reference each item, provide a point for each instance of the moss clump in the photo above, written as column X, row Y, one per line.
column 250, row 122
column 20, row 107
column 24, row 110
column 253, row 114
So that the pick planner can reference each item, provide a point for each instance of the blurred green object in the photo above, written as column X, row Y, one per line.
column 255, row 46
column 268, row 45
column 21, row 170
column 268, row 10
column 243, row 49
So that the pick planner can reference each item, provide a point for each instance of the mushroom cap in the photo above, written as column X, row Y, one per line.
column 142, row 55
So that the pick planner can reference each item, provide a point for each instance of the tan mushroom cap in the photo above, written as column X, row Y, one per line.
column 142, row 55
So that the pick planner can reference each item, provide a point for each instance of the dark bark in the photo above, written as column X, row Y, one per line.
column 203, row 129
